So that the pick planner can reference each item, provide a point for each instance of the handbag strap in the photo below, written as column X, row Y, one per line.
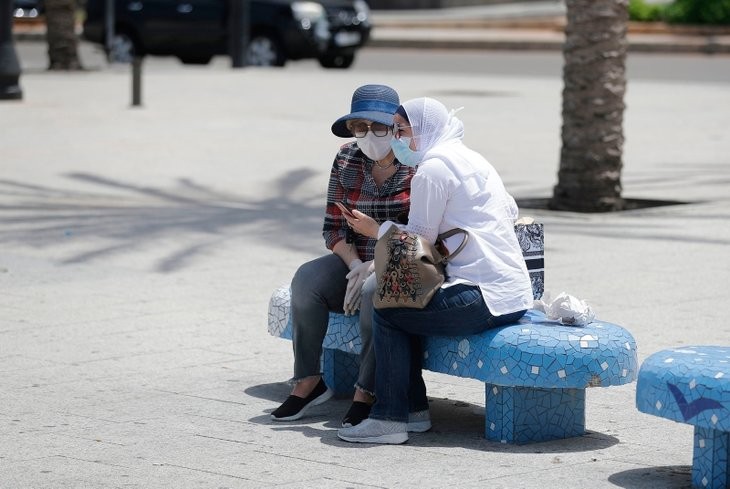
column 450, row 233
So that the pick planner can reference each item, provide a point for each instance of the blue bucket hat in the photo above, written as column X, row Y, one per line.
column 375, row 103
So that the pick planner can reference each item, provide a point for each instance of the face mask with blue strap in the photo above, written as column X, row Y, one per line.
column 401, row 149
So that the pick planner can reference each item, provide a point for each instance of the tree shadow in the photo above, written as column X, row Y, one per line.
column 116, row 217
column 631, row 225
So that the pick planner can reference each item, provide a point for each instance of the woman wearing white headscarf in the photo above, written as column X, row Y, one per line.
column 488, row 284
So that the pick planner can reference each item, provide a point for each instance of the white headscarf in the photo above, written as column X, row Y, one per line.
column 438, row 134
column 431, row 123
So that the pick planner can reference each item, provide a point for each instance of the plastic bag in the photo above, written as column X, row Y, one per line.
column 566, row 309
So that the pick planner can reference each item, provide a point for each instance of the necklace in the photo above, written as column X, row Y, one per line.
column 386, row 166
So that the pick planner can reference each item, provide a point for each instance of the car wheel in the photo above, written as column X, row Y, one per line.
column 123, row 48
column 341, row 61
column 264, row 50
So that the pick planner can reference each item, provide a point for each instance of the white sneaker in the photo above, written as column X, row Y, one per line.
column 376, row 431
column 419, row 421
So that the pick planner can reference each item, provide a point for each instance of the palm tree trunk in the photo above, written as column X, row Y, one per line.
column 594, row 76
column 61, row 34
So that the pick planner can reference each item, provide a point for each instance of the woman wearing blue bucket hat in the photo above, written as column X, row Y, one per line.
column 365, row 176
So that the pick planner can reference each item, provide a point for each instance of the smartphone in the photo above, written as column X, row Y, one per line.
column 345, row 210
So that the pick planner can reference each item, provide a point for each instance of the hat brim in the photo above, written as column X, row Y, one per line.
column 339, row 127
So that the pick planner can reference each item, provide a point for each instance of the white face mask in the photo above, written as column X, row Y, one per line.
column 376, row 148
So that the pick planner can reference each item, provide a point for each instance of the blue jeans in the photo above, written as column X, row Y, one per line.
column 317, row 288
column 453, row 311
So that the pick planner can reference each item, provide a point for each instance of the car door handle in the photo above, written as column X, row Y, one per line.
column 184, row 8
column 134, row 6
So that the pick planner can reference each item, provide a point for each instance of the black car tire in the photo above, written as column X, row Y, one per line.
column 264, row 50
column 341, row 61
column 124, row 48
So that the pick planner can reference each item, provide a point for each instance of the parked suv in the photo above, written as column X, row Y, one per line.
column 196, row 30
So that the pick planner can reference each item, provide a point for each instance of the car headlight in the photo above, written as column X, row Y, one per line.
column 307, row 13
column 362, row 9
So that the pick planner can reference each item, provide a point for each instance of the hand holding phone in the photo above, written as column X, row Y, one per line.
column 345, row 210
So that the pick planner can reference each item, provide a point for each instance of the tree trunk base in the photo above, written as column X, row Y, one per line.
column 562, row 202
column 71, row 65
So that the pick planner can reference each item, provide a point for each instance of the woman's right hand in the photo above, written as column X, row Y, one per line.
column 359, row 272
column 363, row 224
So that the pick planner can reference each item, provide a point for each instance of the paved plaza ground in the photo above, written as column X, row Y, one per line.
column 139, row 248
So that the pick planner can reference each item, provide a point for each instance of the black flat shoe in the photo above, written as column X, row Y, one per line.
column 356, row 414
column 295, row 407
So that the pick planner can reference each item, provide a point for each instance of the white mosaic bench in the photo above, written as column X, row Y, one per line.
column 692, row 385
column 535, row 371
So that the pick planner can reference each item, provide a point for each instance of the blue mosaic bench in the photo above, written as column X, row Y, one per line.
column 692, row 385
column 535, row 371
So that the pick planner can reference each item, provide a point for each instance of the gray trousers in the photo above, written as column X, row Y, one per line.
column 317, row 288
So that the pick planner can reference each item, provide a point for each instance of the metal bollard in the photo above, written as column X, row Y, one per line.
column 9, row 64
column 137, row 81
column 239, row 31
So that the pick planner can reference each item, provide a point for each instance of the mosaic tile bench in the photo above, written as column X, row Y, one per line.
column 535, row 371
column 692, row 385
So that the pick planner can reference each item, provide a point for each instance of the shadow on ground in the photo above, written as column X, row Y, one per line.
column 540, row 203
column 666, row 477
column 115, row 217
column 455, row 424
column 187, row 220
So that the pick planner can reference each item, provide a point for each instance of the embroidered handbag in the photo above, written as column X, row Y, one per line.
column 409, row 269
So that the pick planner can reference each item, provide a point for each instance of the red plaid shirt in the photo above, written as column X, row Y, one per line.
column 351, row 182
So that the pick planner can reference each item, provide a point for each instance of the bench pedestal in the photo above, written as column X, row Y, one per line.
column 711, row 460
column 530, row 414
column 340, row 370
column 691, row 385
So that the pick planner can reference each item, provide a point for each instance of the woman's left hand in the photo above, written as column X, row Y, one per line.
column 363, row 224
